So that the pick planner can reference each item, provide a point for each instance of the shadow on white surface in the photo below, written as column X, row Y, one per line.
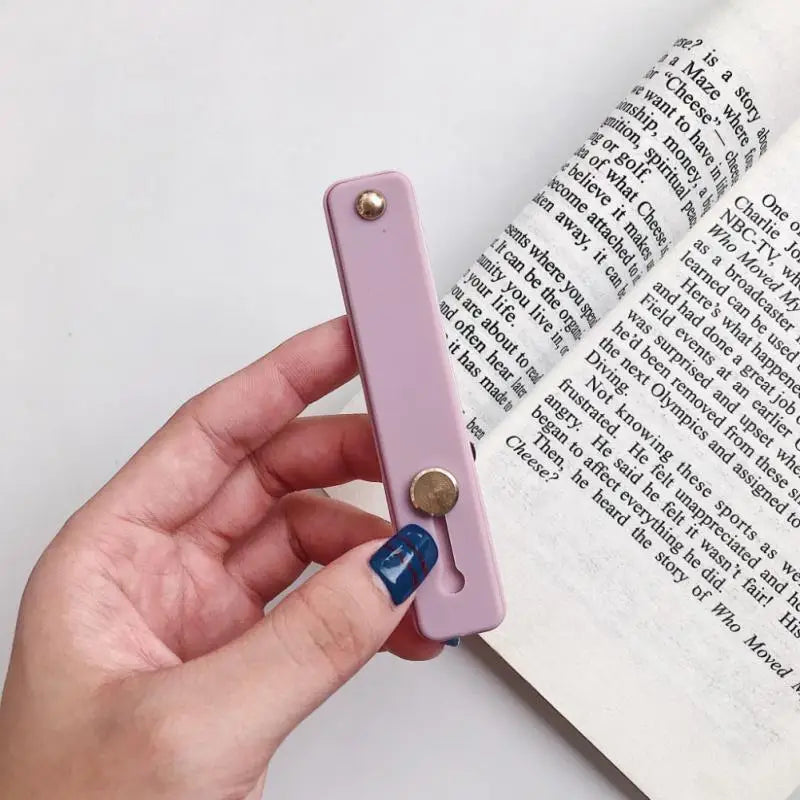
column 463, row 726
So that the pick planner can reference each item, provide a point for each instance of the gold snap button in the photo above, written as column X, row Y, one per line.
column 370, row 205
column 434, row 491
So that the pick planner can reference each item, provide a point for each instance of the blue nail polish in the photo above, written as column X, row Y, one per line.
column 404, row 561
column 454, row 642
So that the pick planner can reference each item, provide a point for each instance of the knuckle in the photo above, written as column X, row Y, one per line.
column 326, row 625
column 195, row 413
column 187, row 410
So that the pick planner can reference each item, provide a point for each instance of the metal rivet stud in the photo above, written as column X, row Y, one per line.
column 370, row 205
column 434, row 491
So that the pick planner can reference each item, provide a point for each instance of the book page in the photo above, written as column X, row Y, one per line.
column 685, row 134
column 645, row 499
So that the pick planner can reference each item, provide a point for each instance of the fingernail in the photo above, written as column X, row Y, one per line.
column 454, row 642
column 404, row 561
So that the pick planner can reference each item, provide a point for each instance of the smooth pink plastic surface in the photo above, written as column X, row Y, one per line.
column 412, row 397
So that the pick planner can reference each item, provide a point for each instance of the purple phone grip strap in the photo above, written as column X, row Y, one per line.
column 412, row 397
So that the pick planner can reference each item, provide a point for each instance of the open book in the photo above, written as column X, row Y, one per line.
column 628, row 355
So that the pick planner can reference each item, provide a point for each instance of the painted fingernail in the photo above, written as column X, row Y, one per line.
column 454, row 642
column 404, row 561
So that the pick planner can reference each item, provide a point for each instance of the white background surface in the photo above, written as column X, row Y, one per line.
column 161, row 173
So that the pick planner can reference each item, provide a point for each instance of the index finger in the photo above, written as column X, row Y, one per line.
column 181, row 467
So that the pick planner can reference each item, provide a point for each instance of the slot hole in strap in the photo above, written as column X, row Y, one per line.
column 451, row 578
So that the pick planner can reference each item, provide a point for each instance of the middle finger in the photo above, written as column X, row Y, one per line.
column 309, row 453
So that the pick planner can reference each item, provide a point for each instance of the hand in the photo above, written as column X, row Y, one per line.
column 144, row 665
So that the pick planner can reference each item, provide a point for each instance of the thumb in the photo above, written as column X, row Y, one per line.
column 314, row 640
